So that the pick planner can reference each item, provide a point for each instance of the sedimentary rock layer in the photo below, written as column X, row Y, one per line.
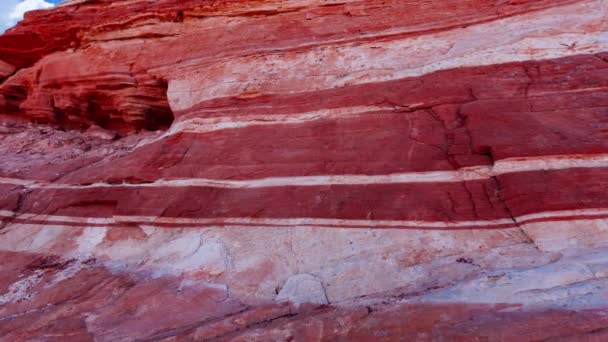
column 309, row 170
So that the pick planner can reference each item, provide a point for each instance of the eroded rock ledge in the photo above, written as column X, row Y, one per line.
column 305, row 170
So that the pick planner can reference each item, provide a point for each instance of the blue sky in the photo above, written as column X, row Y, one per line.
column 11, row 11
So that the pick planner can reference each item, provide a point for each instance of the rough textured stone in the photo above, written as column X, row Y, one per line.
column 305, row 170
column 302, row 289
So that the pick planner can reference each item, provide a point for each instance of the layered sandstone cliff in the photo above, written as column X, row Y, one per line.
column 305, row 170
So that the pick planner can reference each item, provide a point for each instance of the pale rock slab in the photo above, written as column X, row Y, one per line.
column 303, row 289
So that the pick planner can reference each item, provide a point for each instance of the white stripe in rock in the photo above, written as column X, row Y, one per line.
column 501, row 167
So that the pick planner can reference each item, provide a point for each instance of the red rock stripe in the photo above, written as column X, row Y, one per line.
column 565, row 131
column 469, row 201
column 530, row 192
column 382, row 143
column 523, row 193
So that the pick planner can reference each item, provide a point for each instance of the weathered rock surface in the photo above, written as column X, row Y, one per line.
column 303, row 169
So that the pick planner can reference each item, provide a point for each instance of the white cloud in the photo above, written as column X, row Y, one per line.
column 11, row 11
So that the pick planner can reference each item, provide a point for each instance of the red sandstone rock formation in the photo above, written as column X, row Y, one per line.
column 305, row 170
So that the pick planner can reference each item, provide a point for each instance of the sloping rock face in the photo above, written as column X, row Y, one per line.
column 305, row 170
